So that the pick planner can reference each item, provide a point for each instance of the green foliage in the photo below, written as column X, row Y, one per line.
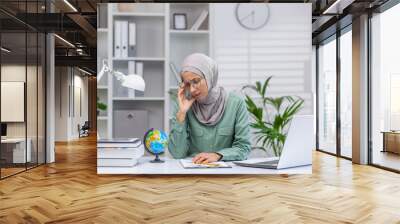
column 272, row 117
column 100, row 105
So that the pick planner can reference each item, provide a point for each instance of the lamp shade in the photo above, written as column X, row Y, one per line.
column 134, row 82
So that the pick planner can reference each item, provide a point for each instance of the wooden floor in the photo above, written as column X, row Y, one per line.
column 386, row 159
column 10, row 171
column 70, row 191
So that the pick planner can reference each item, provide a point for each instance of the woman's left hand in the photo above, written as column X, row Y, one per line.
column 206, row 157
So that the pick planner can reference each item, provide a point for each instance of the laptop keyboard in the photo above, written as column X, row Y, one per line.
column 272, row 162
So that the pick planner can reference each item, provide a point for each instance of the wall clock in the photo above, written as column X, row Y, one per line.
column 252, row 16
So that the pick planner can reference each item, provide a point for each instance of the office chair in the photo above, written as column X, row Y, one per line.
column 84, row 130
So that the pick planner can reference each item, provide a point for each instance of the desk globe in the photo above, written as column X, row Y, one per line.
column 155, row 142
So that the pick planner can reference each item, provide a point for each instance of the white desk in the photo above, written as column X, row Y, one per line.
column 19, row 155
column 172, row 166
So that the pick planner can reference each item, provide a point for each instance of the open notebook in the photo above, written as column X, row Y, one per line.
column 188, row 164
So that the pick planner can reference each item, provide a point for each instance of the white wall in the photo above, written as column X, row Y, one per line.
column 282, row 48
column 61, row 103
column 33, row 126
column 81, row 84
column 70, row 83
column 15, row 72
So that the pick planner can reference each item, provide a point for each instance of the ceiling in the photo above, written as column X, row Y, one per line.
column 328, row 16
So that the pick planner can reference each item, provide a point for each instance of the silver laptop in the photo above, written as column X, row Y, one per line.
column 297, row 150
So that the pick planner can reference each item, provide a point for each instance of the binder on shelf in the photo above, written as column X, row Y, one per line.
column 139, row 68
column 117, row 39
column 124, row 39
column 139, row 71
column 131, row 70
column 132, row 35
column 132, row 39
column 200, row 20
column 131, row 67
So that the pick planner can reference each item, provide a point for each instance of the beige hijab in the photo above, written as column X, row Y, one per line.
column 211, row 109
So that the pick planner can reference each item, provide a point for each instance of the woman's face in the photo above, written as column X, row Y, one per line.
column 198, row 85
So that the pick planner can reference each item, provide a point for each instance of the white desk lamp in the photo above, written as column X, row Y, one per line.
column 132, row 81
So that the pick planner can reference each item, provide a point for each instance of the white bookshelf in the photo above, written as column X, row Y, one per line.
column 102, row 54
column 138, row 14
column 102, row 30
column 189, row 32
column 140, row 59
column 157, row 44
column 140, row 98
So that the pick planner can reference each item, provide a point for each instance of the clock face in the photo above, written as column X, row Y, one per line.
column 252, row 16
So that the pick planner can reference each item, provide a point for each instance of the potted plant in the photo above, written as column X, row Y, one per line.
column 271, row 117
column 100, row 106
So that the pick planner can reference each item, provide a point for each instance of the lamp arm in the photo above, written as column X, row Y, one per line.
column 119, row 75
column 105, row 69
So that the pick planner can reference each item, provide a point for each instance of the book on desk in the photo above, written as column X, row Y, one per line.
column 119, row 143
column 119, row 152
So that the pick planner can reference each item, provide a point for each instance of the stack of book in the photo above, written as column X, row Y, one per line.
column 119, row 152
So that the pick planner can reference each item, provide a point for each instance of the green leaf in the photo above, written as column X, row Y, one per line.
column 278, row 121
column 266, row 84
column 276, row 103
column 260, row 138
column 258, row 87
column 252, row 87
column 292, row 109
column 100, row 105
column 256, row 112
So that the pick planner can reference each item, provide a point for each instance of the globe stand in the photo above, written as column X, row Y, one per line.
column 157, row 160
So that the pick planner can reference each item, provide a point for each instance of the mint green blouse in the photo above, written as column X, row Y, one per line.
column 230, row 137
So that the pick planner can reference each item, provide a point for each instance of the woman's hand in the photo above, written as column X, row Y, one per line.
column 184, row 104
column 206, row 157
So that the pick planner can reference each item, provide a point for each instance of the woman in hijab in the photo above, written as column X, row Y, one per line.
column 212, row 125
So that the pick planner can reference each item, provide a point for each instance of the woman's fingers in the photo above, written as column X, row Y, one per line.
column 199, row 158
column 180, row 90
column 180, row 94
column 194, row 160
column 202, row 159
